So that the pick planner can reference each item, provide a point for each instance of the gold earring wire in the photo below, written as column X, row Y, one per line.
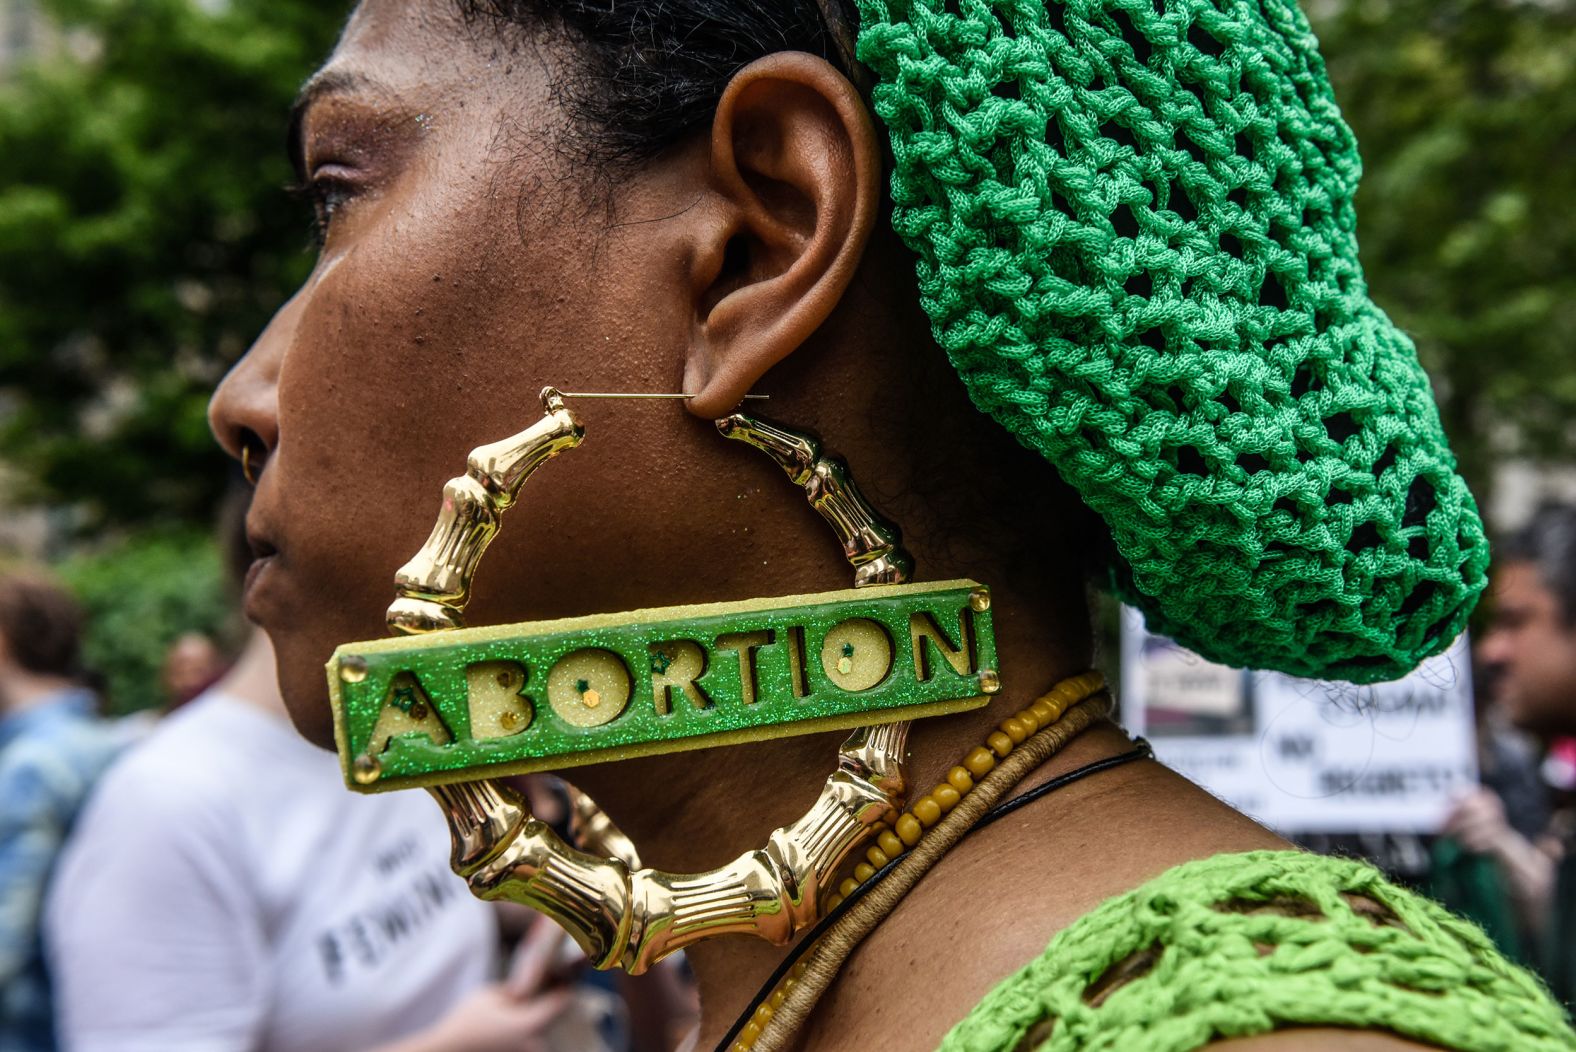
column 633, row 394
column 621, row 914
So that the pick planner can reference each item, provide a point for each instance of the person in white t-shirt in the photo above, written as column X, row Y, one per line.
column 223, row 892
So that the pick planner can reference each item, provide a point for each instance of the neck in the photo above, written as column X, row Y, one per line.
column 21, row 690
column 709, row 807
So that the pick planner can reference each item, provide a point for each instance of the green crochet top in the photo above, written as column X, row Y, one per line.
column 1237, row 945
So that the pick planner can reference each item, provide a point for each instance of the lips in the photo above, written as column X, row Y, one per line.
column 264, row 553
column 261, row 546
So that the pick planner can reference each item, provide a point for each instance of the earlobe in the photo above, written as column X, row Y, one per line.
column 794, row 155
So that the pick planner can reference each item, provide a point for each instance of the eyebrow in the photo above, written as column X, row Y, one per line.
column 325, row 82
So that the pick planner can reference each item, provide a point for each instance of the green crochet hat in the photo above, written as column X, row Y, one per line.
column 1137, row 246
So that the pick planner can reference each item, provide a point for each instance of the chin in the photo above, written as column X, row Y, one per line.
column 1533, row 719
column 305, row 692
column 314, row 722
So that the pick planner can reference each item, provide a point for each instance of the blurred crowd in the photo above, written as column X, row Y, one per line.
column 1507, row 857
column 200, row 879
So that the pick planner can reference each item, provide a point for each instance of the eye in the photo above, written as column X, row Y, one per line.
column 326, row 193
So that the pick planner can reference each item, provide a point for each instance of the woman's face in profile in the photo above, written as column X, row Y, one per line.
column 462, row 266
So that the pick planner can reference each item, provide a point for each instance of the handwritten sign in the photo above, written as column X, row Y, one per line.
column 1307, row 756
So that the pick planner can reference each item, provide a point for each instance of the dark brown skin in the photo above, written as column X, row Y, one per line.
column 468, row 262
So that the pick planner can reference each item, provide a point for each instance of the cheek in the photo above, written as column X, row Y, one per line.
column 1543, row 664
column 433, row 336
column 347, row 390
column 1553, row 655
column 429, row 337
column 303, row 684
column 381, row 393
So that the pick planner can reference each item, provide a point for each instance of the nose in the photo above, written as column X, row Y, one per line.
column 244, row 412
column 1494, row 650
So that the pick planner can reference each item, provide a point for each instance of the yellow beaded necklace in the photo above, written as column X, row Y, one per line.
column 924, row 812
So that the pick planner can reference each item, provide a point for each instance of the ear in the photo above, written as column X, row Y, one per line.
column 795, row 163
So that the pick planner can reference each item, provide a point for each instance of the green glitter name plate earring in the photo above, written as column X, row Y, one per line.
column 889, row 641
column 509, row 699
column 503, row 700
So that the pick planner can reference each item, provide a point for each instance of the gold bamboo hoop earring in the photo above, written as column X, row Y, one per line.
column 623, row 915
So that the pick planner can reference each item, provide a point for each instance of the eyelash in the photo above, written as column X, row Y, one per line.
column 325, row 195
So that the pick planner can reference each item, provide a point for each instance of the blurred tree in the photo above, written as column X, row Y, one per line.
column 1466, row 112
column 140, row 594
column 144, row 240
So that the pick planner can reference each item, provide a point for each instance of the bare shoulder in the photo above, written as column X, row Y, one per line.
column 1319, row 1039
column 993, row 904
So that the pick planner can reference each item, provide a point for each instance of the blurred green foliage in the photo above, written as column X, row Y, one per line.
column 144, row 241
column 140, row 595
column 1466, row 113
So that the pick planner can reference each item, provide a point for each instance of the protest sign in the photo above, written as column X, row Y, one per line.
column 1306, row 756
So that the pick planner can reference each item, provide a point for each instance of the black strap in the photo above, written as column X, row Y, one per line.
column 1142, row 751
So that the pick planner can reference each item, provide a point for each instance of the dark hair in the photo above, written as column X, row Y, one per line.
column 1548, row 542
column 41, row 625
column 647, row 73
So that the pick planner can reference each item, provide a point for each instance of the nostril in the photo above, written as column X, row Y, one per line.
column 254, row 454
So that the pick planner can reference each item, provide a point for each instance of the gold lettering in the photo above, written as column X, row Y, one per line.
column 588, row 687
column 407, row 710
column 746, row 643
column 675, row 666
column 493, row 695
column 796, row 664
column 856, row 654
column 922, row 629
